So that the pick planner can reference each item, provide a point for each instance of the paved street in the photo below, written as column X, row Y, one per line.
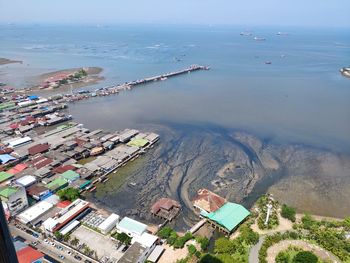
column 48, row 248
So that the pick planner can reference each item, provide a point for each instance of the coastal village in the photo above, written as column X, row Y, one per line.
column 49, row 162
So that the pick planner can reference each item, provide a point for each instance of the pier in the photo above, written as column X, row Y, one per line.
column 114, row 89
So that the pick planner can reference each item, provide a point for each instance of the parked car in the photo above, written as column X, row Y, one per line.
column 77, row 257
column 62, row 257
column 125, row 248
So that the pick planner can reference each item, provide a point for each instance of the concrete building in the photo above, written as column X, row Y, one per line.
column 131, row 227
column 29, row 215
column 66, row 215
column 15, row 198
column 26, row 181
column 110, row 222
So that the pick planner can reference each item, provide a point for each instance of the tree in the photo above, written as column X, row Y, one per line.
column 207, row 258
column 58, row 235
column 165, row 232
column 66, row 238
column 203, row 241
column 123, row 238
column 248, row 235
column 305, row 257
column 75, row 241
column 224, row 245
column 69, row 193
column 87, row 250
column 288, row 212
column 191, row 249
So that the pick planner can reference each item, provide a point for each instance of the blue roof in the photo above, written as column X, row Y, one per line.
column 4, row 158
column 33, row 97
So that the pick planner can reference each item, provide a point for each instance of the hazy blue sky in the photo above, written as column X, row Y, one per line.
column 253, row 12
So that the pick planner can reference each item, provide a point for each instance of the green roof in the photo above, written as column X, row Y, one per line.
column 138, row 142
column 8, row 191
column 57, row 183
column 4, row 176
column 85, row 184
column 229, row 215
column 132, row 225
column 70, row 175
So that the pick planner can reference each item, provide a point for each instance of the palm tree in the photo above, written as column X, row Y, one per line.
column 75, row 242
column 66, row 237
column 87, row 250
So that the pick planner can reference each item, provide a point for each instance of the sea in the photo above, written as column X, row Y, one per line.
column 286, row 89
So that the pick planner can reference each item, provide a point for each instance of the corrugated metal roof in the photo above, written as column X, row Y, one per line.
column 229, row 215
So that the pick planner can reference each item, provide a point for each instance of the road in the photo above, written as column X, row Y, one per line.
column 254, row 251
column 48, row 248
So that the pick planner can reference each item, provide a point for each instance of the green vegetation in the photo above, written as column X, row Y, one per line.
column 288, row 212
column 203, row 241
column 68, row 193
column 172, row 238
column 305, row 257
column 262, row 203
column 296, row 255
column 58, row 235
column 74, row 242
column 123, row 238
column 330, row 235
column 274, row 239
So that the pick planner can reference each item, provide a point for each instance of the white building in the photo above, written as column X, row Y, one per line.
column 131, row 227
column 107, row 225
column 34, row 212
column 26, row 181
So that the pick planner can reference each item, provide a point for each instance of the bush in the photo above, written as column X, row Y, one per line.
column 207, row 258
column 180, row 241
column 191, row 249
column 282, row 257
column 288, row 212
column 203, row 241
column 248, row 235
column 305, row 257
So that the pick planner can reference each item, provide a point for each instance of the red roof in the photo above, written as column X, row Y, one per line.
column 6, row 150
column 14, row 126
column 164, row 203
column 40, row 162
column 28, row 255
column 18, row 168
column 63, row 204
column 64, row 168
column 39, row 148
column 208, row 200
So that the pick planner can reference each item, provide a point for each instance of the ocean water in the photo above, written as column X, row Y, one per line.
column 301, row 97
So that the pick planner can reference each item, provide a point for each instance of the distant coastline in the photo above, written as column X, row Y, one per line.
column 63, row 77
column 345, row 72
column 4, row 61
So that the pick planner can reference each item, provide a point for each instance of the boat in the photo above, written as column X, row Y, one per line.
column 92, row 189
column 164, row 78
column 259, row 38
column 268, row 62
column 245, row 33
column 96, row 151
column 132, row 185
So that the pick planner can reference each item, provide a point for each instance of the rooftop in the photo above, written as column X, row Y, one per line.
column 5, row 176
column 208, row 201
column 28, row 255
column 70, row 175
column 229, row 215
column 138, row 142
column 57, row 183
column 8, row 191
column 132, row 225
column 164, row 203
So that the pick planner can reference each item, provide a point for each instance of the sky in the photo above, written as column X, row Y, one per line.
column 313, row 13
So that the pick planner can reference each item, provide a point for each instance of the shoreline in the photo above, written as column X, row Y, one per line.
column 5, row 61
column 92, row 77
